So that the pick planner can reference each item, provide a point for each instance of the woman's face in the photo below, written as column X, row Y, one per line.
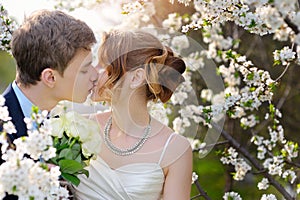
column 100, row 92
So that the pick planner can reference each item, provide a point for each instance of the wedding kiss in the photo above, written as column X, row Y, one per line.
column 140, row 157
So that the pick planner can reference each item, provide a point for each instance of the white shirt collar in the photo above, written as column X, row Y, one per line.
column 25, row 103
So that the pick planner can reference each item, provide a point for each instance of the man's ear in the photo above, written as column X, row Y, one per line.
column 137, row 78
column 48, row 77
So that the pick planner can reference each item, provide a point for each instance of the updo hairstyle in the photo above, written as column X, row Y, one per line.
column 123, row 51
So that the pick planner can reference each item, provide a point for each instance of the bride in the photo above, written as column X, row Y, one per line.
column 140, row 159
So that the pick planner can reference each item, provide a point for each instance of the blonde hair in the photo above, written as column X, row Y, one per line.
column 123, row 51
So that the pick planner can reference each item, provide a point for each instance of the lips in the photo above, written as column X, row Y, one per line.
column 92, row 89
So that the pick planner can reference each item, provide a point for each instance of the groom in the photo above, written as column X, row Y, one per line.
column 53, row 55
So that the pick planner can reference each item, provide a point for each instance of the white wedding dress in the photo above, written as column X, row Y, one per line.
column 134, row 181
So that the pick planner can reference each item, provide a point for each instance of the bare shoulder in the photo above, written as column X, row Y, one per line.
column 166, row 133
column 177, row 147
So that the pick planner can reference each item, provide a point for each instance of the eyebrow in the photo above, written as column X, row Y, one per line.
column 86, row 64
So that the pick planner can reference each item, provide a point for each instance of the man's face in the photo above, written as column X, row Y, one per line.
column 78, row 79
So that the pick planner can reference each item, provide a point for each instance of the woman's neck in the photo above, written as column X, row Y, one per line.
column 131, row 116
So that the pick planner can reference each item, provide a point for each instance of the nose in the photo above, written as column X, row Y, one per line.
column 94, row 75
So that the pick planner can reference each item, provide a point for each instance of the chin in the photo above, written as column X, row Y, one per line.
column 96, row 99
column 80, row 99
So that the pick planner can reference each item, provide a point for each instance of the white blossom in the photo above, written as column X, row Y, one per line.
column 284, row 55
column 268, row 197
column 173, row 22
column 4, row 114
column 263, row 184
column 290, row 150
column 232, row 196
column 159, row 112
column 261, row 152
column 9, row 127
column 134, row 7
column 282, row 33
column 257, row 140
column 194, row 177
column 290, row 175
column 249, row 121
column 180, row 42
column 185, row 2
column 178, row 125
column 240, row 166
column 206, row 94
column 194, row 61
column 2, row 100
column 274, row 165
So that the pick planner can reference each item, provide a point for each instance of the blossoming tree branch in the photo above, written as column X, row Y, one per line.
column 231, row 101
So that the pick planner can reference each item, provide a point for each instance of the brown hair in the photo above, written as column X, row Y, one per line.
column 123, row 51
column 48, row 39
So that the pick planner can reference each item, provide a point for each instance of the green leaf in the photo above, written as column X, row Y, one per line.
column 71, row 178
column 14, row 188
column 84, row 171
column 252, row 24
column 76, row 149
column 250, row 76
column 277, row 62
column 53, row 160
column 64, row 139
column 78, row 158
column 35, row 109
column 60, row 147
column 66, row 154
column 70, row 166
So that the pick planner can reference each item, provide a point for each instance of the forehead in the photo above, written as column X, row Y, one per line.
column 86, row 56
column 82, row 57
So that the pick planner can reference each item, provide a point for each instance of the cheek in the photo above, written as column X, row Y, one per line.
column 100, row 92
column 103, row 77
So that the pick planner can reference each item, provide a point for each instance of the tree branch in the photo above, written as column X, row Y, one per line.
column 284, row 71
column 291, row 24
column 287, row 89
column 202, row 192
column 280, row 103
column 253, row 161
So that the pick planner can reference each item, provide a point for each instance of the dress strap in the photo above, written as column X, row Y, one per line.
column 165, row 147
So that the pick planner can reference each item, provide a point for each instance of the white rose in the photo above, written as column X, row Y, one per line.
column 93, row 144
column 57, row 126
column 91, row 147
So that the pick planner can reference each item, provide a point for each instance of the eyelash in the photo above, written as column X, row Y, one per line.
column 84, row 72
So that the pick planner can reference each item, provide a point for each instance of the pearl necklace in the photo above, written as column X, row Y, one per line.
column 127, row 151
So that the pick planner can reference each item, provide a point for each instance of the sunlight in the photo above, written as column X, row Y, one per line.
column 100, row 18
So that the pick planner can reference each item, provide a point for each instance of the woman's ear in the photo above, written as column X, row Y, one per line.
column 48, row 77
column 137, row 78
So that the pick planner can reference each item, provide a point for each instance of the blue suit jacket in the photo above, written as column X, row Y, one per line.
column 15, row 112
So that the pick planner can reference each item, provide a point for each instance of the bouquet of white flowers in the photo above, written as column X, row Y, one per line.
column 76, row 140
column 68, row 142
